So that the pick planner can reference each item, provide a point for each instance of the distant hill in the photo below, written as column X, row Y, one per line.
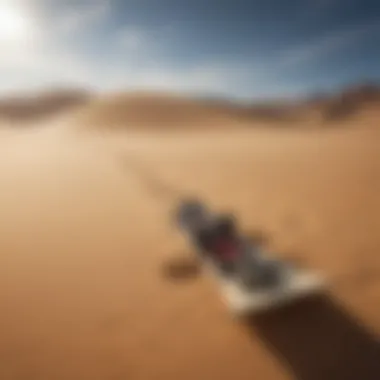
column 32, row 107
column 163, row 110
column 345, row 103
column 143, row 109
column 352, row 100
column 175, row 111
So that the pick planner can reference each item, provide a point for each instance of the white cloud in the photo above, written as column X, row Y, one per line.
column 82, row 16
column 205, row 77
column 38, row 67
column 131, row 39
column 133, row 59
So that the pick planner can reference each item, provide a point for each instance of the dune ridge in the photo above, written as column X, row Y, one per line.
column 171, row 111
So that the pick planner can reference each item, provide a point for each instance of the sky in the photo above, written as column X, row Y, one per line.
column 244, row 49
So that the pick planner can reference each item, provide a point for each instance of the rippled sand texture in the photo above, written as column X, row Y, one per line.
column 96, row 284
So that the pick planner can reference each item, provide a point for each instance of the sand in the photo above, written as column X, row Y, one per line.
column 88, row 287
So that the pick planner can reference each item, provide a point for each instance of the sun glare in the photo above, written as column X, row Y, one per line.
column 14, row 24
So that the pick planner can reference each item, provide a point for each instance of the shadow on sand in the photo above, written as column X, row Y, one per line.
column 318, row 340
column 181, row 269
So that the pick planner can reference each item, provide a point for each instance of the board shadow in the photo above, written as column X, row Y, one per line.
column 181, row 269
column 318, row 340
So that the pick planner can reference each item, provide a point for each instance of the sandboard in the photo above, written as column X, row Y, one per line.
column 299, row 283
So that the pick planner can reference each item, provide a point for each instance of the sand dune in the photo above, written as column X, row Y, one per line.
column 154, row 110
column 168, row 111
column 352, row 102
column 172, row 111
column 86, row 243
column 35, row 107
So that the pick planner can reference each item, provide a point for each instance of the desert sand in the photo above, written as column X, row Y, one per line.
column 96, row 283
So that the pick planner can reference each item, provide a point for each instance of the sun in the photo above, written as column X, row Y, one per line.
column 14, row 23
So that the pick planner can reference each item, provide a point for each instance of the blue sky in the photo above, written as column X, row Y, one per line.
column 243, row 49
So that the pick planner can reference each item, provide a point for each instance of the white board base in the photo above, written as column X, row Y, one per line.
column 241, row 302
